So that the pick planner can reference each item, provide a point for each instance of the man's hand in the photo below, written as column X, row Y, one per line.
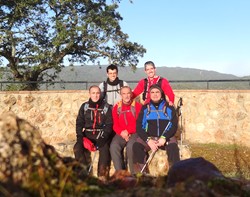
column 153, row 144
column 125, row 135
column 171, row 103
column 161, row 142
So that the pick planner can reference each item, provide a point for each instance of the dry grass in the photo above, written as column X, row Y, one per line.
column 232, row 160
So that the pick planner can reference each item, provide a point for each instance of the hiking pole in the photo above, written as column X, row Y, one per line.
column 92, row 163
column 179, row 114
column 151, row 156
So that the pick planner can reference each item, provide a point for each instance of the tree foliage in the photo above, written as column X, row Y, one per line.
column 39, row 35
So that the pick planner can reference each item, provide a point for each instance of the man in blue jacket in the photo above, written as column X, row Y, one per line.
column 156, row 126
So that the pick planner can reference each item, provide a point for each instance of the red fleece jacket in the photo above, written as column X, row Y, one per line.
column 167, row 89
column 119, row 122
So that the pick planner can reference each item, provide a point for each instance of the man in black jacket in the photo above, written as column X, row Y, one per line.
column 94, row 132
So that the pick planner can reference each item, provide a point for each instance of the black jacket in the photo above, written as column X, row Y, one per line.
column 91, row 121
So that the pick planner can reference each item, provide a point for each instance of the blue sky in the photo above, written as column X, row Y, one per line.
column 202, row 34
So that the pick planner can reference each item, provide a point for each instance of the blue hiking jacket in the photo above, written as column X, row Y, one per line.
column 156, row 121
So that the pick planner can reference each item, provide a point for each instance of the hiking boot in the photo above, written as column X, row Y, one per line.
column 103, row 172
column 103, row 179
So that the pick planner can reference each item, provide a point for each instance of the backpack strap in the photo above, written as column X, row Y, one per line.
column 164, row 109
column 104, row 89
column 119, row 107
column 121, row 84
column 86, row 107
column 159, row 82
column 105, row 109
column 148, row 109
column 132, row 108
column 145, row 89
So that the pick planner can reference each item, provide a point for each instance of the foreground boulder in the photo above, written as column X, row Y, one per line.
column 193, row 169
column 30, row 164
column 22, row 151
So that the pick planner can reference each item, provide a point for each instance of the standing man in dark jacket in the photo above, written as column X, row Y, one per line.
column 156, row 124
column 93, row 132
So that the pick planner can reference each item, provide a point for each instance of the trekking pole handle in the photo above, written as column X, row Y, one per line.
column 181, row 101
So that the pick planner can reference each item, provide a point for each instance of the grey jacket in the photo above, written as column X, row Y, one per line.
column 113, row 92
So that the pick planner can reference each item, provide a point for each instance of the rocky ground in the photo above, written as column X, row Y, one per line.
column 31, row 168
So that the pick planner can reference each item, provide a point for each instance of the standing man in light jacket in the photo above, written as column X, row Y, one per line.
column 111, row 87
column 124, row 113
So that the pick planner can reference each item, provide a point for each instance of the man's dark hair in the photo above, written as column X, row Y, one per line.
column 112, row 67
column 149, row 63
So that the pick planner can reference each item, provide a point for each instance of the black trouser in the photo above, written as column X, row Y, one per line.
column 141, row 148
column 173, row 153
column 84, row 156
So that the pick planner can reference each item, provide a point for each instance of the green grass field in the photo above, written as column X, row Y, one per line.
column 231, row 160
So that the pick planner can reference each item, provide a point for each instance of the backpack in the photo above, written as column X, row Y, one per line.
column 132, row 110
column 145, row 92
column 105, row 85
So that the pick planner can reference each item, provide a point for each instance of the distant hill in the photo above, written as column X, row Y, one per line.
column 94, row 73
column 177, row 77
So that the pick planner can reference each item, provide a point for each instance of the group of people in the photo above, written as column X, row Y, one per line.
column 112, row 120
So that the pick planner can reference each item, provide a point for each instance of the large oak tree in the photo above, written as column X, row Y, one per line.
column 38, row 35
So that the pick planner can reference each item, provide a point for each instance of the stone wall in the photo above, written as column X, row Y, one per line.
column 207, row 115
